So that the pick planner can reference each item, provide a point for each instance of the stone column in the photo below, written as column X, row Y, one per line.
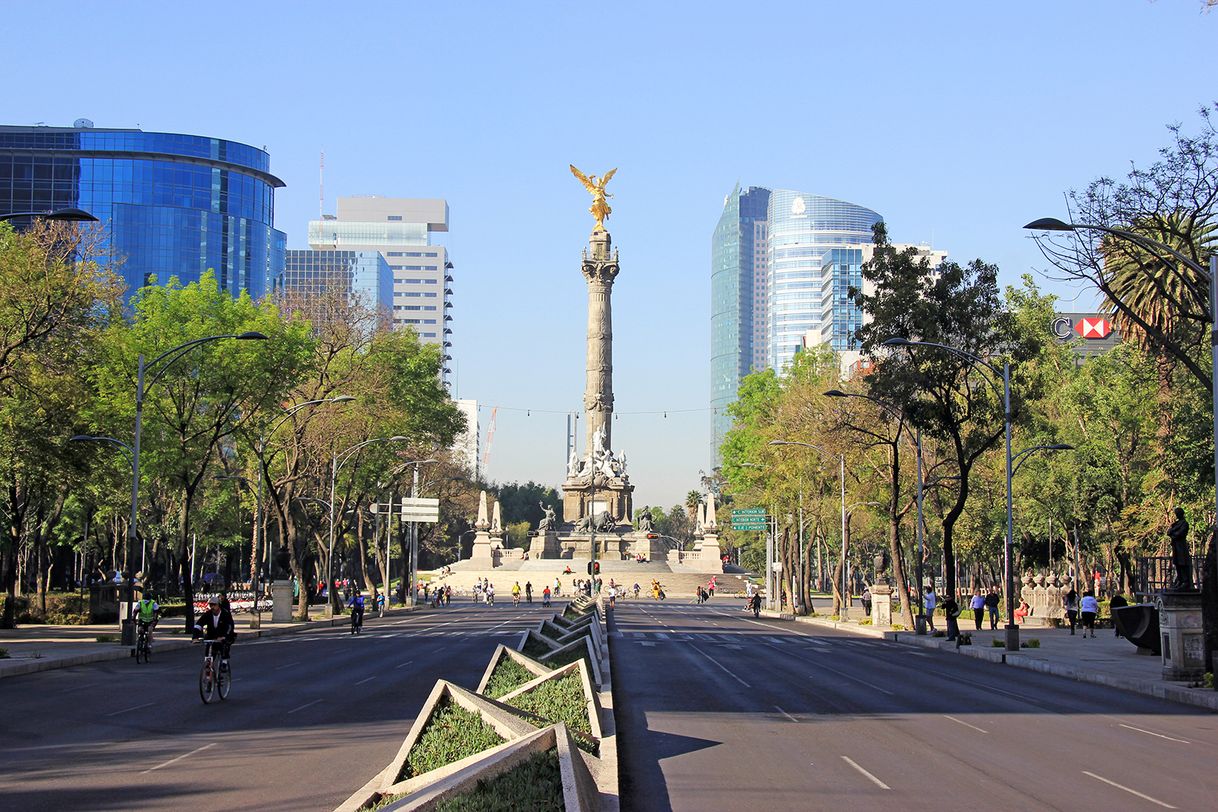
column 1183, row 654
column 600, row 268
column 881, row 605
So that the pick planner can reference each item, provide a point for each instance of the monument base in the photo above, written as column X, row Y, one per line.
column 281, row 597
column 614, row 496
column 483, row 553
column 1180, row 629
column 545, row 545
column 881, row 605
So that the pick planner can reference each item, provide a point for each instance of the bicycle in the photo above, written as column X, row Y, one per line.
column 215, row 677
column 357, row 622
column 143, row 641
column 516, row 601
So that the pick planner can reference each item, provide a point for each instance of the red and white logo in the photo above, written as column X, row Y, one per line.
column 1097, row 327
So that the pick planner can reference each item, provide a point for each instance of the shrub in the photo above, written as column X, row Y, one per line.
column 3, row 654
column 534, row 648
column 108, row 638
column 865, row 621
column 996, row 643
column 570, row 656
column 558, row 700
column 1033, row 642
column 452, row 733
column 507, row 676
column 535, row 784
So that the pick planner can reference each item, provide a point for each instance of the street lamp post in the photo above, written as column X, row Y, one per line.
column 141, row 389
column 336, row 462
column 1053, row 224
column 841, row 463
column 1012, row 629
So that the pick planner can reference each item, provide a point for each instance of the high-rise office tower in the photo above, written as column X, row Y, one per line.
column 171, row 205
column 738, row 277
column 363, row 277
column 466, row 447
column 782, row 263
column 400, row 229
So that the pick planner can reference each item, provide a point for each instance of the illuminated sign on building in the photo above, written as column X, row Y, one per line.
column 1096, row 331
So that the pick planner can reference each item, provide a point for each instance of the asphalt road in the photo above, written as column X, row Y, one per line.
column 311, row 718
column 717, row 710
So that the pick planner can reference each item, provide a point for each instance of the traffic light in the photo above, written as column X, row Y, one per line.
column 594, row 568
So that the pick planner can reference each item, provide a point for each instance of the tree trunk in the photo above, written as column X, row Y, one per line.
column 895, row 552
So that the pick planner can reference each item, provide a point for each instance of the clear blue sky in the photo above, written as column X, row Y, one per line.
column 957, row 121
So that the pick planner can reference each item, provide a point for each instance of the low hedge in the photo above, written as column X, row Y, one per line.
column 507, row 677
column 560, row 700
column 452, row 733
column 534, row 648
column 535, row 784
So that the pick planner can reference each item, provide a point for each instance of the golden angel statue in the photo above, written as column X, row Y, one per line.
column 600, row 207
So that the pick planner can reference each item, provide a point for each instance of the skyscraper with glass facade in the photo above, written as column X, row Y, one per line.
column 172, row 205
column 782, row 264
column 804, row 230
column 737, row 300
column 363, row 277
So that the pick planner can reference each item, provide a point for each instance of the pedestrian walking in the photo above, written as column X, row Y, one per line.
column 929, row 600
column 991, row 607
column 1071, row 603
column 1091, row 608
column 865, row 599
column 977, row 604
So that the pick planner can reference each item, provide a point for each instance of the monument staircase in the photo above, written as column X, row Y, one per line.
column 677, row 580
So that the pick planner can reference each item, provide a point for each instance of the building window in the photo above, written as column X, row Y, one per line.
column 394, row 218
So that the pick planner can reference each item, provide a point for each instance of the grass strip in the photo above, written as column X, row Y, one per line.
column 452, row 733
column 535, row 784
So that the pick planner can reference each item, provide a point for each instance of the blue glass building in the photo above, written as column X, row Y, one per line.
column 172, row 205
column 803, row 231
column 364, row 277
column 737, row 301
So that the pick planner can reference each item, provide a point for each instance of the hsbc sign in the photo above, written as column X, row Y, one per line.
column 1089, row 327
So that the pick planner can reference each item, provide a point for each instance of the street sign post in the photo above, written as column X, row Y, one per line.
column 749, row 519
column 420, row 509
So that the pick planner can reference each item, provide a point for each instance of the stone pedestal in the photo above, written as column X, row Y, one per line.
column 1180, row 630
column 710, row 556
column 483, row 554
column 544, row 545
column 881, row 605
column 281, row 596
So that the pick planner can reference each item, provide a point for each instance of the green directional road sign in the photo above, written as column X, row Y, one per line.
column 740, row 512
column 748, row 527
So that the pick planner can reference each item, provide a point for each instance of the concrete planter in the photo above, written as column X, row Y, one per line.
column 579, row 668
column 501, row 653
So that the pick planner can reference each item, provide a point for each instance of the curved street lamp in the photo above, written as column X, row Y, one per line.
column 70, row 214
column 1012, row 629
column 1211, row 276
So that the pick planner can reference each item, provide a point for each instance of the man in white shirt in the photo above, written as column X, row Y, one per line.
column 929, row 600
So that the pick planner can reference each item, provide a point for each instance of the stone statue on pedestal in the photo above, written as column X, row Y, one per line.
column 645, row 524
column 1181, row 558
column 548, row 520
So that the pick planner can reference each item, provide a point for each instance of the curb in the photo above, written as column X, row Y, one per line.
column 1169, row 691
column 9, row 668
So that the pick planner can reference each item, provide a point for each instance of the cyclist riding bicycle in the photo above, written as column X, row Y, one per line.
column 215, row 624
column 146, row 613
column 516, row 593
column 356, row 605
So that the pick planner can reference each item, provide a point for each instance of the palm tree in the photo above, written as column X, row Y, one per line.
column 692, row 500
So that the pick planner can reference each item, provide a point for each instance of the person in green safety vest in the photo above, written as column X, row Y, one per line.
column 147, row 610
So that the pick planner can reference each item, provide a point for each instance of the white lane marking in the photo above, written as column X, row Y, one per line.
column 128, row 710
column 961, row 722
column 872, row 686
column 645, row 643
column 402, row 665
column 661, row 635
column 179, row 758
column 1152, row 733
column 287, row 665
column 874, row 780
column 305, row 705
column 716, row 662
column 369, row 679
column 784, row 713
column 91, row 745
column 1127, row 789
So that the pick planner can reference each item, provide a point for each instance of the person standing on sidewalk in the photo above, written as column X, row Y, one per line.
column 977, row 604
column 1071, row 602
column 1118, row 600
column 991, row 607
column 1091, row 608
column 929, row 600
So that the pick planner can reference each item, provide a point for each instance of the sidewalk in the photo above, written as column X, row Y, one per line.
column 37, row 647
column 1102, row 660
